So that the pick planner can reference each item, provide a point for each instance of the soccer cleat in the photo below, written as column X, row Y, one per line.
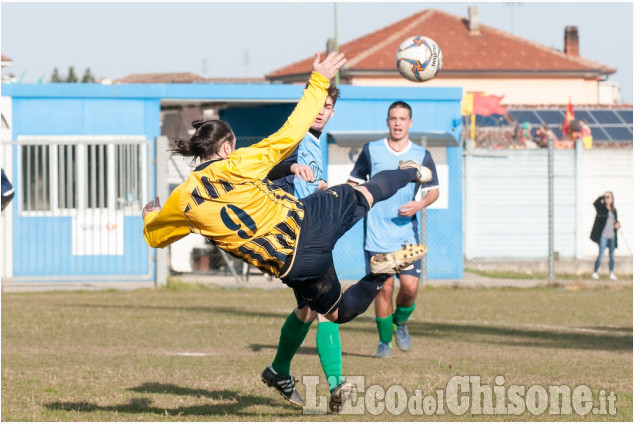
column 394, row 262
column 595, row 276
column 284, row 384
column 340, row 395
column 612, row 276
column 384, row 349
column 424, row 174
column 402, row 337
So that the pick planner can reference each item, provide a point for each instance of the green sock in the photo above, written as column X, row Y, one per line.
column 330, row 351
column 292, row 334
column 384, row 327
column 401, row 315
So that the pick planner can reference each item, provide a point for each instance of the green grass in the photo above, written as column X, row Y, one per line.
column 189, row 353
column 507, row 274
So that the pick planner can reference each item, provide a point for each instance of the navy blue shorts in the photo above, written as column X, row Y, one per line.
column 328, row 215
column 414, row 271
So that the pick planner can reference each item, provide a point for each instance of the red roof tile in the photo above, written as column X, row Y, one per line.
column 489, row 51
column 182, row 77
column 155, row 78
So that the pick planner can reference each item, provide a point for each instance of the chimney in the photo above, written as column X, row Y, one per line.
column 330, row 45
column 473, row 23
column 571, row 41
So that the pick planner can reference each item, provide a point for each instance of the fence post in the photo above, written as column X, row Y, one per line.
column 551, row 209
column 579, row 231
column 161, row 186
column 424, row 265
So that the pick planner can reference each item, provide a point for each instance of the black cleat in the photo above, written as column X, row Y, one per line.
column 284, row 384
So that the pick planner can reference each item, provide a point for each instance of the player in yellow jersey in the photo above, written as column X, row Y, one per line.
column 228, row 199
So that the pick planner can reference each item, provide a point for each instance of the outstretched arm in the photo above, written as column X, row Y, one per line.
column 256, row 161
column 164, row 225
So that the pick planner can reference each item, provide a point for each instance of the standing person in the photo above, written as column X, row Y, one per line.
column 585, row 133
column 228, row 200
column 394, row 222
column 604, row 231
column 301, row 174
column 526, row 138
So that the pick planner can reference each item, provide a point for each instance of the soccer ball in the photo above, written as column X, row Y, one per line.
column 419, row 58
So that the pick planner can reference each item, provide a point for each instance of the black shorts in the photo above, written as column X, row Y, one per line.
column 328, row 215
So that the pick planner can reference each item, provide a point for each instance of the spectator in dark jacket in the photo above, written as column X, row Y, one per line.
column 604, row 231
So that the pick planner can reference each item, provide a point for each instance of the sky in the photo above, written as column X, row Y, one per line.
column 251, row 39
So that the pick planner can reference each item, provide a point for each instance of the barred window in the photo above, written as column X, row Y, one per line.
column 82, row 172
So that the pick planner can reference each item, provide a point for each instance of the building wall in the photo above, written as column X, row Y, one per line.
column 515, row 90
column 80, row 242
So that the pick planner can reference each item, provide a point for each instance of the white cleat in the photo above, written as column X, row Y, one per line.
column 424, row 174
column 394, row 262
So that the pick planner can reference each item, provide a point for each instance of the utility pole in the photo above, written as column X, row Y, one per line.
column 337, row 47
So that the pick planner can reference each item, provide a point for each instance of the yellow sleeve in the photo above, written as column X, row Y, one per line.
column 257, row 160
column 161, row 228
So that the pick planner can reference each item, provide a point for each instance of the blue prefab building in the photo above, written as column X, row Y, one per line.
column 82, row 161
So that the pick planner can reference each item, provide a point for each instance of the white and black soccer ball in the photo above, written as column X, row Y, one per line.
column 419, row 58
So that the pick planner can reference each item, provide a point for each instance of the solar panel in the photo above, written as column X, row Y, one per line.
column 551, row 117
column 586, row 115
column 626, row 115
column 606, row 117
column 598, row 133
column 619, row 133
column 607, row 125
column 491, row 120
column 522, row 116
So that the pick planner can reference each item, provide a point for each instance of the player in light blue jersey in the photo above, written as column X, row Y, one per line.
column 302, row 174
column 394, row 222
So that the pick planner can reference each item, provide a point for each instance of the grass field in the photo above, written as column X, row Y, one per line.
column 195, row 353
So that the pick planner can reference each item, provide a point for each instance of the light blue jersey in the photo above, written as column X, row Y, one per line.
column 386, row 230
column 309, row 153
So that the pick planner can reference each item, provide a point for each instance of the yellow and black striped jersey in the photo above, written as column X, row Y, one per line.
column 232, row 203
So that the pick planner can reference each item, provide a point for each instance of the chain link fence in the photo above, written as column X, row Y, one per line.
column 504, row 218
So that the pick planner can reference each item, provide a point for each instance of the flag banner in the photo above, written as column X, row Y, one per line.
column 488, row 105
column 567, row 118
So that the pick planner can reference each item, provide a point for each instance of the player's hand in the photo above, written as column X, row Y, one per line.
column 617, row 225
column 153, row 205
column 330, row 65
column 322, row 185
column 409, row 209
column 303, row 172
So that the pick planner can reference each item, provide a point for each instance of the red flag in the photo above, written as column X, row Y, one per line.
column 488, row 105
column 567, row 118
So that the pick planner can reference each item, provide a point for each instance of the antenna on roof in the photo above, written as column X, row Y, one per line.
column 512, row 5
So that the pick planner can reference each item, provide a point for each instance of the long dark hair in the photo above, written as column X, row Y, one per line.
column 612, row 203
column 206, row 140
